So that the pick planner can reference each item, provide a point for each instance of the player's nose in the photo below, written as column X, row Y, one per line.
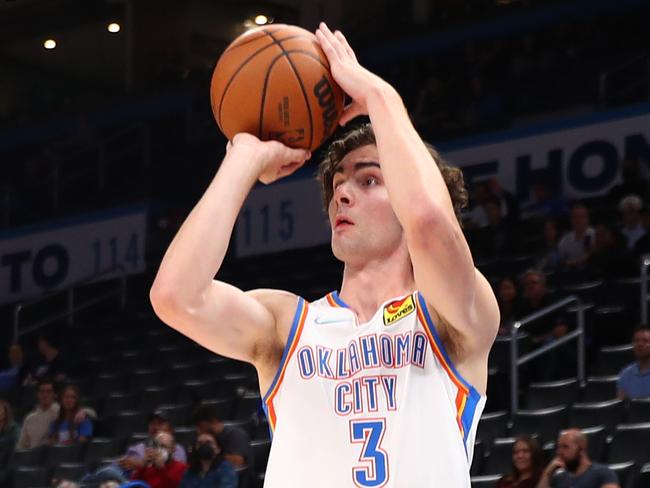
column 343, row 194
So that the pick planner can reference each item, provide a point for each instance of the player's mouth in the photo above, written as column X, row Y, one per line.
column 342, row 222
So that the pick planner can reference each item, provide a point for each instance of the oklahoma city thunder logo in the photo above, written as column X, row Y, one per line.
column 398, row 309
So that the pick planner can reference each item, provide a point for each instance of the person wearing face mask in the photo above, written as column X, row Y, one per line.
column 161, row 470
column 572, row 467
column 208, row 468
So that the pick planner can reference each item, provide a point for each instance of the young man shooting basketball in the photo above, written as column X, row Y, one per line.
column 383, row 383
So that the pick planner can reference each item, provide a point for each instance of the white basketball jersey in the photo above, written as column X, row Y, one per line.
column 369, row 405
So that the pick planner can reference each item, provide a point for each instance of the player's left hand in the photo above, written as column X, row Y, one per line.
column 354, row 79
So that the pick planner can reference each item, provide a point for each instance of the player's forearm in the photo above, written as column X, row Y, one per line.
column 409, row 171
column 198, row 249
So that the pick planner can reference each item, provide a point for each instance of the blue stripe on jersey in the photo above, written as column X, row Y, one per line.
column 473, row 398
column 338, row 300
column 287, row 347
column 431, row 326
column 468, row 414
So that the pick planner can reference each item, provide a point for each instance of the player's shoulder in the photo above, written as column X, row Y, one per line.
column 278, row 302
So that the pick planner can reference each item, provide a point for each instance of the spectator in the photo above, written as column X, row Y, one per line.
column 550, row 259
column 535, row 297
column 234, row 441
column 632, row 228
column 54, row 365
column 508, row 202
column 34, row 432
column 507, row 295
column 476, row 218
column 545, row 204
column 634, row 380
column 15, row 374
column 632, row 182
column 208, row 468
column 573, row 468
column 65, row 429
column 134, row 458
column 577, row 244
column 527, row 465
column 9, row 429
column 8, row 435
column 160, row 469
column 643, row 244
column 609, row 258
column 496, row 239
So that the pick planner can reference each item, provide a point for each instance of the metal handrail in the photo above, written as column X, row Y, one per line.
column 645, row 263
column 516, row 361
column 71, row 306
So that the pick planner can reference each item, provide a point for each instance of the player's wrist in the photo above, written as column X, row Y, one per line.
column 381, row 93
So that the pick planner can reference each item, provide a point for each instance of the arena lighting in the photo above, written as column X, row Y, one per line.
column 113, row 27
column 261, row 19
column 49, row 44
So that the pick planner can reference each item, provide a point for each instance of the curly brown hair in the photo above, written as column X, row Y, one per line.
column 363, row 136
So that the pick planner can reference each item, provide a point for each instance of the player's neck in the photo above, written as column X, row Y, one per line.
column 366, row 286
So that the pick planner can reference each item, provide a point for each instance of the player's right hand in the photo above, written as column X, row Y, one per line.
column 274, row 159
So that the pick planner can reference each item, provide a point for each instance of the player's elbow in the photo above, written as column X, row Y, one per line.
column 164, row 299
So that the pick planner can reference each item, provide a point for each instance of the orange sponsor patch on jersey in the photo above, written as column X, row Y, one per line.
column 398, row 309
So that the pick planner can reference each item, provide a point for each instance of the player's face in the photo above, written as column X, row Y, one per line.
column 362, row 219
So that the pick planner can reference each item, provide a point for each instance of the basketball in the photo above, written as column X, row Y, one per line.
column 274, row 82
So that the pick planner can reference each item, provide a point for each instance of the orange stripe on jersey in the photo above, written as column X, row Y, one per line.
column 436, row 350
column 463, row 391
column 461, row 401
column 330, row 300
column 291, row 348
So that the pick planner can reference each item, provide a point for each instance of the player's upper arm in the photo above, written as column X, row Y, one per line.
column 445, row 274
column 228, row 321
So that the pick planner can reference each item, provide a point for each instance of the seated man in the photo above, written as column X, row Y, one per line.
column 35, row 429
column 160, row 469
column 136, row 455
column 573, row 468
column 634, row 380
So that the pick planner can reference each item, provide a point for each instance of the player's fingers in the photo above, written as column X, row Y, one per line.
column 326, row 45
column 296, row 154
column 346, row 45
column 334, row 41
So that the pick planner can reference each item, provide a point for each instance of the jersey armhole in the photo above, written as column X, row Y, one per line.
column 292, row 341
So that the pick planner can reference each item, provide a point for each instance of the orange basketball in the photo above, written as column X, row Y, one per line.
column 274, row 82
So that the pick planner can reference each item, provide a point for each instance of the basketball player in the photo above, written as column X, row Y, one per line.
column 382, row 383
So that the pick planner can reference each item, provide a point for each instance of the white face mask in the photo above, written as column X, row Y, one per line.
column 164, row 454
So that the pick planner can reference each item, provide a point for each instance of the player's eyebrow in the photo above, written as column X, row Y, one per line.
column 360, row 165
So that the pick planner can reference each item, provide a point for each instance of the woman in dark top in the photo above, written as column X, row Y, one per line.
column 507, row 297
column 527, row 465
column 207, row 467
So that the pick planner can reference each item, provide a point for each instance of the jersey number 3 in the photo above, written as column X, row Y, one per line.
column 374, row 471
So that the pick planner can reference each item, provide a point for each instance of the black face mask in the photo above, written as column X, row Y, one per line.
column 205, row 452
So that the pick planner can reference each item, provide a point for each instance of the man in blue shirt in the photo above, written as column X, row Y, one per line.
column 634, row 380
column 572, row 467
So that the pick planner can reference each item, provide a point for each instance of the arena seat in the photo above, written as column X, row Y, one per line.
column 499, row 460
column 546, row 422
column 486, row 481
column 29, row 457
column 99, row 448
column 608, row 413
column 639, row 410
column 625, row 473
column 28, row 476
column 57, row 454
column 600, row 388
column 69, row 471
column 612, row 359
column 552, row 393
column 492, row 425
column 630, row 443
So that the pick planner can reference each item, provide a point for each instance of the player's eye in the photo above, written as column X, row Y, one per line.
column 370, row 181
